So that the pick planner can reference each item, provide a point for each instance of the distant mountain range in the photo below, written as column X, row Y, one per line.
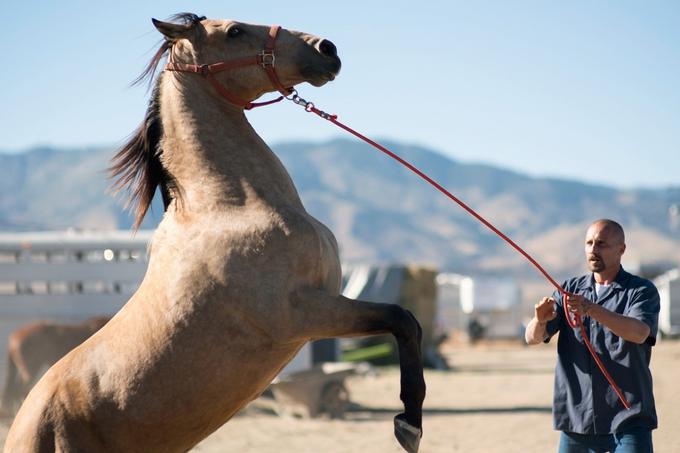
column 379, row 211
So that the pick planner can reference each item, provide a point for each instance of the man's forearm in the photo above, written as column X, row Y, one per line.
column 630, row 329
column 535, row 332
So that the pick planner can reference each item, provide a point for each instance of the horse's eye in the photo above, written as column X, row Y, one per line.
column 233, row 32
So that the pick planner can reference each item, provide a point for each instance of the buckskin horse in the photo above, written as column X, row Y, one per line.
column 33, row 348
column 240, row 276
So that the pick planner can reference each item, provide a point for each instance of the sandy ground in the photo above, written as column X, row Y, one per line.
column 497, row 399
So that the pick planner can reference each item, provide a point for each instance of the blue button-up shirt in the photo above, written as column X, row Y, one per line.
column 584, row 402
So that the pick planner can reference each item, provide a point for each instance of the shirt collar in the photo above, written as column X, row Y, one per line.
column 619, row 282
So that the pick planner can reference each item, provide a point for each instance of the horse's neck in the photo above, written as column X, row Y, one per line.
column 215, row 155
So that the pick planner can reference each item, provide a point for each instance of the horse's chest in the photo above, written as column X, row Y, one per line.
column 280, row 249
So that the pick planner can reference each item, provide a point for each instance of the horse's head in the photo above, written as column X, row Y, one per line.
column 239, row 62
column 249, row 60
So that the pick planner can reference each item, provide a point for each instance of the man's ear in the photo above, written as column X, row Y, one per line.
column 173, row 32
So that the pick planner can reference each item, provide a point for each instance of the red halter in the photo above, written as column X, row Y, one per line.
column 266, row 58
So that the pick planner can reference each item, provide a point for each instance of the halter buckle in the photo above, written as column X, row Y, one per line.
column 267, row 58
column 204, row 70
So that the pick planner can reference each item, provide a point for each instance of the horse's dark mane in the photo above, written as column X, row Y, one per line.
column 137, row 167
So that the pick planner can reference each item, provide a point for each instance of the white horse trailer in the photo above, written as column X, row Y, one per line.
column 70, row 274
column 668, row 285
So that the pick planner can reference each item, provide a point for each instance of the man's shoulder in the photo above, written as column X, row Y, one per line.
column 635, row 282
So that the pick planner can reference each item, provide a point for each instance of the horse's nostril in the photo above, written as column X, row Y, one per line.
column 328, row 48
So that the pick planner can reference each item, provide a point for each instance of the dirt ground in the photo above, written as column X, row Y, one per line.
column 496, row 399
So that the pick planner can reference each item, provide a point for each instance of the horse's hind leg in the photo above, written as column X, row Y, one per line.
column 317, row 314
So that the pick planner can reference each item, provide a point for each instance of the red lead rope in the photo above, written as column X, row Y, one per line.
column 576, row 322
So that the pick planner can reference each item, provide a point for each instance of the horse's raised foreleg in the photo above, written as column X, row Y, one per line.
column 317, row 314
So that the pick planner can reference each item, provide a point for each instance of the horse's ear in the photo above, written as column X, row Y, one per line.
column 173, row 32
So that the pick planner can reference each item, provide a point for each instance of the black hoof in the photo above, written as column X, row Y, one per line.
column 407, row 434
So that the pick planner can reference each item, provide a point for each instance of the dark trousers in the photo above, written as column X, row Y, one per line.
column 629, row 441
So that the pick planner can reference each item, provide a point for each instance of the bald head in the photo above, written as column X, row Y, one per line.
column 613, row 229
column 605, row 244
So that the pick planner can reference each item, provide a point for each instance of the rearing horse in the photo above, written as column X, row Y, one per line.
column 240, row 276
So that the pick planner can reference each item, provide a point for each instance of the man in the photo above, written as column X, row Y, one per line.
column 620, row 314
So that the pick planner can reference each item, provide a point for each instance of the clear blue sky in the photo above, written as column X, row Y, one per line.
column 586, row 90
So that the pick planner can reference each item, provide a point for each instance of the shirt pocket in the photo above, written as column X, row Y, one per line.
column 614, row 343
